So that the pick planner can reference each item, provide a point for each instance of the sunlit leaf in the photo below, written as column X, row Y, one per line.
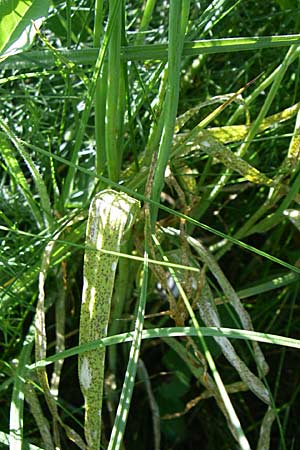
column 19, row 21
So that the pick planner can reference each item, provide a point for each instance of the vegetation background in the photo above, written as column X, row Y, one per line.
column 75, row 120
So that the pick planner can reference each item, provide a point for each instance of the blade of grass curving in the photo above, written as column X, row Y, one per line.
column 60, row 253
column 169, row 332
column 210, row 316
column 231, row 295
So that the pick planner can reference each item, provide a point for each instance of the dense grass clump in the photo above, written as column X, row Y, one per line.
column 191, row 108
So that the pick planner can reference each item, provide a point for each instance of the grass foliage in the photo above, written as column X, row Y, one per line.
column 192, row 108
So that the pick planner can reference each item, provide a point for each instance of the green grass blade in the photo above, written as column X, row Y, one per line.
column 114, row 93
column 147, row 15
column 100, row 94
column 67, row 188
column 169, row 332
column 18, row 176
column 178, row 16
column 88, row 56
column 17, row 401
column 118, row 430
column 39, row 182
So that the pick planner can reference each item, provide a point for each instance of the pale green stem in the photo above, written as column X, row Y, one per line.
column 112, row 118
column 100, row 93
column 178, row 17
column 148, row 10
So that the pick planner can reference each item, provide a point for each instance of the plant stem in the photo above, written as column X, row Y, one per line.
column 178, row 16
